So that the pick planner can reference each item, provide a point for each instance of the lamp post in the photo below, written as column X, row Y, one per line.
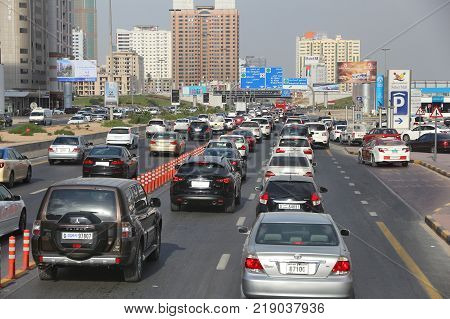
column 111, row 74
column 387, row 104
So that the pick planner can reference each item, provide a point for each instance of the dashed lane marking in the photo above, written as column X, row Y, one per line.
column 223, row 262
column 437, row 210
column 346, row 177
column 409, row 262
column 339, row 166
column 252, row 196
column 342, row 172
column 364, row 202
column 38, row 191
column 373, row 214
column 329, row 153
column 357, row 193
column 351, row 184
column 241, row 221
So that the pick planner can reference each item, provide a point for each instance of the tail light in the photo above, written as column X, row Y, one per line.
column 117, row 162
column 88, row 162
column 280, row 150
column 208, row 130
column 382, row 150
column 315, row 199
column 405, row 149
column 269, row 174
column 51, row 149
column 76, row 150
column 264, row 198
column 177, row 179
column 126, row 230
column 174, row 143
column 36, row 228
column 309, row 174
column 2, row 164
column 342, row 266
column 225, row 180
column 308, row 151
column 243, row 148
column 253, row 264
column 234, row 163
column 152, row 142
column 445, row 143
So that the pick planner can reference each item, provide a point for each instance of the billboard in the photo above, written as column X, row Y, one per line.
column 330, row 87
column 399, row 84
column 194, row 90
column 357, row 72
column 379, row 92
column 111, row 93
column 76, row 70
column 312, row 59
column 295, row 84
column 262, row 78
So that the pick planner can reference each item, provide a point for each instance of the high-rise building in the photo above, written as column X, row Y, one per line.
column 123, row 40
column 255, row 61
column 205, row 43
column 330, row 52
column 85, row 17
column 78, row 44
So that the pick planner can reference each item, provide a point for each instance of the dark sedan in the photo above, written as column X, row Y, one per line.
column 425, row 143
column 235, row 158
column 113, row 161
column 199, row 130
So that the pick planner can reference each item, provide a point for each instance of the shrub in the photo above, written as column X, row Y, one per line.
column 64, row 132
column 140, row 118
column 28, row 129
column 114, row 123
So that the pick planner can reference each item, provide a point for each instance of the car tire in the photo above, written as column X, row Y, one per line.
column 154, row 256
column 22, row 221
column 327, row 145
column 406, row 138
column 231, row 208
column 360, row 159
column 175, row 207
column 11, row 180
column 374, row 164
column 28, row 177
column 48, row 272
column 133, row 273
column 405, row 164
column 51, row 162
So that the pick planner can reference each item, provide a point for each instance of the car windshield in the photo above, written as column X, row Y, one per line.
column 296, row 234
column 244, row 133
column 165, row 136
column 250, row 124
column 359, row 128
column 297, row 161
column 341, row 127
column 37, row 113
column 77, row 118
column 227, row 152
column 119, row 131
column 386, row 131
column 261, row 121
column 294, row 142
column 101, row 203
column 202, row 168
column 182, row 121
column 198, row 125
column 107, row 151
column 317, row 127
column 2, row 154
column 65, row 141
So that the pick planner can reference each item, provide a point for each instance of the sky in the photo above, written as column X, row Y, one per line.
column 269, row 28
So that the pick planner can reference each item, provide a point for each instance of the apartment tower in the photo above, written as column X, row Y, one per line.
column 85, row 17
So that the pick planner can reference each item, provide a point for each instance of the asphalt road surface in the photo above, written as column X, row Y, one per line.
column 394, row 254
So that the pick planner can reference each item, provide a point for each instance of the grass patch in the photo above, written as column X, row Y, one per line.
column 114, row 123
column 339, row 104
column 64, row 132
column 28, row 129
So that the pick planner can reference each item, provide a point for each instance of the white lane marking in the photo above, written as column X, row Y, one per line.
column 342, row 172
column 241, row 221
column 351, row 184
column 346, row 177
column 339, row 166
column 222, row 265
column 39, row 191
column 333, row 158
column 373, row 214
column 259, row 180
column 364, row 202
column 252, row 196
column 357, row 192
column 336, row 163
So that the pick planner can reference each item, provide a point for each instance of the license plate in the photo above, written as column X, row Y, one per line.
column 289, row 206
column 198, row 129
column 77, row 236
column 63, row 150
column 105, row 164
column 297, row 269
column 199, row 184
column 394, row 151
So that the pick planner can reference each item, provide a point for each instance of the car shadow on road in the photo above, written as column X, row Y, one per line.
column 151, row 268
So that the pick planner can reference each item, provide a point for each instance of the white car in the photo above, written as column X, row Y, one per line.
column 123, row 136
column 181, row 125
column 319, row 132
column 264, row 125
column 155, row 111
column 353, row 134
column 418, row 131
column 77, row 119
column 203, row 117
column 58, row 112
column 294, row 144
column 240, row 142
column 13, row 213
column 14, row 167
column 84, row 114
column 254, row 128
column 118, row 114
column 217, row 123
column 293, row 163
column 155, row 126
column 336, row 132
column 384, row 150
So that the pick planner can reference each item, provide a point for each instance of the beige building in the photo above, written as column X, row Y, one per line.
column 205, row 42
column 330, row 52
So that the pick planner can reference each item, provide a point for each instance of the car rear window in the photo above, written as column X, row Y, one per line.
column 198, row 124
column 220, row 144
column 359, row 128
column 119, row 131
column 165, row 136
column 287, row 189
column 202, row 168
column 227, row 152
column 317, row 127
column 156, row 123
column 107, row 151
column 261, row 121
column 37, row 114
column 236, row 139
column 182, row 121
column 294, row 131
column 294, row 142
column 244, row 133
column 65, row 141
column 390, row 142
column 250, row 124
column 296, row 234
column 289, row 161
column 101, row 203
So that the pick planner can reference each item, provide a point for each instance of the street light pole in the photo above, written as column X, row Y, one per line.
column 387, row 105
column 111, row 74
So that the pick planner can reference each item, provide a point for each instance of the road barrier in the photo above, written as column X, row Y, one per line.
column 12, row 258
column 26, row 250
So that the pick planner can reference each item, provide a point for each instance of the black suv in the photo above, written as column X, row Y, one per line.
column 290, row 193
column 207, row 180
column 96, row 222
column 199, row 130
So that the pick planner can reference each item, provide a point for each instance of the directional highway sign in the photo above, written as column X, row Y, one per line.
column 274, row 78
column 262, row 78
column 295, row 84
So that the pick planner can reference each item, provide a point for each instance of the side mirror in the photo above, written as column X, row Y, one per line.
column 155, row 202
column 90, row 144
column 243, row 230
column 314, row 164
column 133, row 155
column 258, row 188
column 323, row 189
column 16, row 198
column 345, row 232
column 177, row 166
column 24, row 157
column 310, row 135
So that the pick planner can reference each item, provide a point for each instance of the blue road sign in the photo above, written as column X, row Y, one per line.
column 285, row 93
column 437, row 99
column 400, row 101
column 274, row 78
column 295, row 83
column 253, row 78
column 399, row 120
column 380, row 91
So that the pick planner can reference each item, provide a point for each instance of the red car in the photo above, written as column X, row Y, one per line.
column 238, row 120
column 248, row 136
column 381, row 133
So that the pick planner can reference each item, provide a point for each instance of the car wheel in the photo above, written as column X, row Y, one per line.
column 48, row 272
column 231, row 208
column 374, row 164
column 11, row 180
column 28, row 177
column 22, row 221
column 175, row 207
column 327, row 145
column 406, row 138
column 405, row 164
column 51, row 162
column 133, row 273
column 157, row 252
column 360, row 159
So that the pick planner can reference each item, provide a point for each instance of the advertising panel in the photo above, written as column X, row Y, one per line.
column 379, row 92
column 111, row 93
column 312, row 59
column 193, row 90
column 357, row 72
column 295, row 84
column 327, row 87
column 400, row 97
column 76, row 70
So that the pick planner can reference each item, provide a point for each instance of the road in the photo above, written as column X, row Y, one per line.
column 394, row 254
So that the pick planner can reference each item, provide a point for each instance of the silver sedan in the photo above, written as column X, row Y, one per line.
column 296, row 255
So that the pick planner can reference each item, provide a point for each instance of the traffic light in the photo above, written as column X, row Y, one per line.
column 205, row 98
column 176, row 97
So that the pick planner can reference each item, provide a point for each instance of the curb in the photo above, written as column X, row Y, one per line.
column 5, row 282
column 433, row 168
column 438, row 229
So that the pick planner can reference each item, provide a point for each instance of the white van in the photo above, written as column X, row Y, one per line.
column 41, row 116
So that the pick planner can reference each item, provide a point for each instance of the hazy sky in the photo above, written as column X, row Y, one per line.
column 269, row 27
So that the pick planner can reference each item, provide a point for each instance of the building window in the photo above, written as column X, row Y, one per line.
column 23, row 30
column 22, row 5
column 23, row 51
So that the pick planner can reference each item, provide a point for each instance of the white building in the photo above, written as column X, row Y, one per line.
column 316, row 74
column 79, row 44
